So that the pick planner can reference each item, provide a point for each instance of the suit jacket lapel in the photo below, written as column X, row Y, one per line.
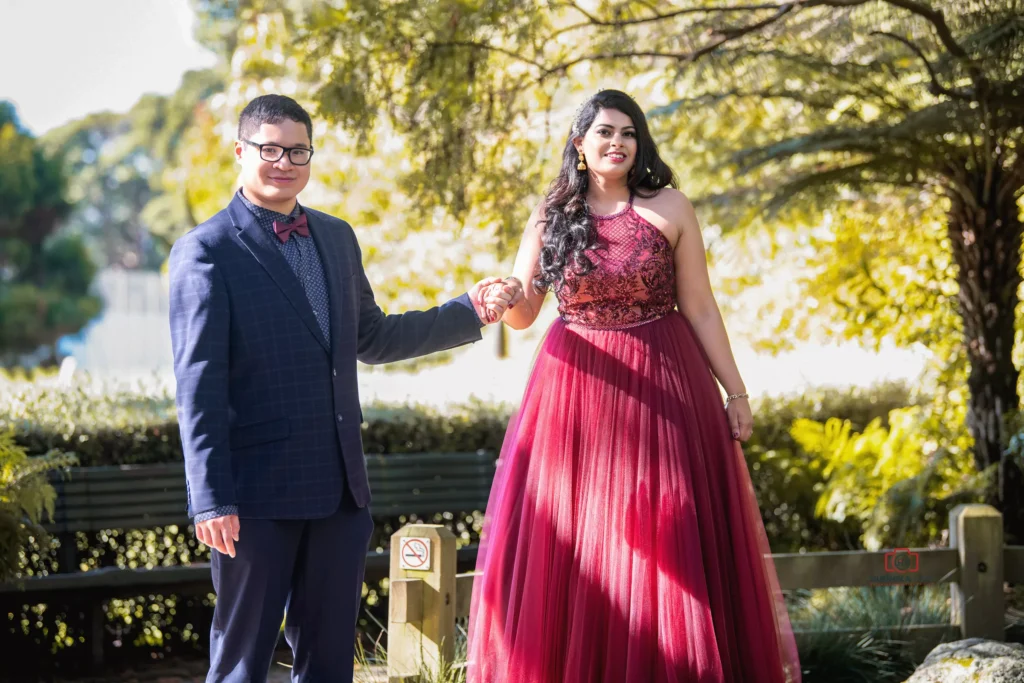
column 333, row 258
column 261, row 244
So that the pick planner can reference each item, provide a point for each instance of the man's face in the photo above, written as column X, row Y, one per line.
column 275, row 183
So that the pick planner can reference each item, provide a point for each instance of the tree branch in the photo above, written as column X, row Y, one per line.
column 720, row 37
column 936, row 88
column 607, row 56
column 937, row 19
column 728, row 34
column 801, row 96
column 659, row 16
column 477, row 45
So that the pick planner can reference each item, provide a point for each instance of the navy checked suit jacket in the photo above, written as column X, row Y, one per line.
column 269, row 414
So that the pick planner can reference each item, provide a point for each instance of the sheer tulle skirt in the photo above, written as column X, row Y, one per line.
column 622, row 541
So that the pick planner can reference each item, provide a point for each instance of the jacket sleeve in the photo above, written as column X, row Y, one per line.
column 200, row 323
column 388, row 338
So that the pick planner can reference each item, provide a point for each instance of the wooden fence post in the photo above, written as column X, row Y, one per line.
column 421, row 610
column 978, row 603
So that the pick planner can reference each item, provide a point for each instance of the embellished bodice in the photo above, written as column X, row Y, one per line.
column 633, row 280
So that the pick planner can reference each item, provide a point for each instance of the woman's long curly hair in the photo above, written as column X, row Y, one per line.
column 568, row 232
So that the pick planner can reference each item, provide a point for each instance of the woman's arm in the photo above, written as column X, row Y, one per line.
column 523, row 313
column 697, row 302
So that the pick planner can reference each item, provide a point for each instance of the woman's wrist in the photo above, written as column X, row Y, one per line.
column 735, row 389
column 738, row 396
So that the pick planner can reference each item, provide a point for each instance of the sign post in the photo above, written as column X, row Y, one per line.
column 421, row 611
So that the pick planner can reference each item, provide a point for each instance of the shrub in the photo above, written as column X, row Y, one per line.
column 25, row 495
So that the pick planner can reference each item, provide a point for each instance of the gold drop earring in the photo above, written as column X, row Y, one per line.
column 582, row 166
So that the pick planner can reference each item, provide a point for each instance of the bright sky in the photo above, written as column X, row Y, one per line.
column 63, row 59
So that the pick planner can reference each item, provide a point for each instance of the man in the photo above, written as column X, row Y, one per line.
column 270, row 309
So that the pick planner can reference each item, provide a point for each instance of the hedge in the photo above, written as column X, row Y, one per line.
column 129, row 427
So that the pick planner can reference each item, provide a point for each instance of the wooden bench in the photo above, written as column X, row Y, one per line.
column 92, row 499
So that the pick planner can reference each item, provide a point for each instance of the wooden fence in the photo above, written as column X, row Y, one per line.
column 427, row 594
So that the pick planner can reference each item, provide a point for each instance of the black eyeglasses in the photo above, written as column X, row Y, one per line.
column 299, row 156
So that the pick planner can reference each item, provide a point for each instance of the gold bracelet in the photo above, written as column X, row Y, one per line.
column 732, row 397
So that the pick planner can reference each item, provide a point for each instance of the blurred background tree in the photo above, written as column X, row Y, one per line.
column 44, row 278
column 125, row 185
column 879, row 138
column 854, row 143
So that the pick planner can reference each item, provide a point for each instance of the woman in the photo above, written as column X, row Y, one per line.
column 622, row 540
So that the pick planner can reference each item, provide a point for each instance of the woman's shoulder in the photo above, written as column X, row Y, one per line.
column 669, row 199
column 669, row 210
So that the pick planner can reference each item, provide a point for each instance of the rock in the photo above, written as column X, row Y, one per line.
column 974, row 660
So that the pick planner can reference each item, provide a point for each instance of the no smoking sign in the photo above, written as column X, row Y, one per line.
column 414, row 554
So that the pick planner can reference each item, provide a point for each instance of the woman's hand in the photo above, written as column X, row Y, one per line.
column 741, row 420
column 491, row 296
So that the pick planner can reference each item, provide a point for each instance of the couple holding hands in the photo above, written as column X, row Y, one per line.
column 622, row 540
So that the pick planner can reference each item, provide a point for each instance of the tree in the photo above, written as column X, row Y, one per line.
column 217, row 23
column 109, row 186
column 414, row 258
column 817, row 103
column 125, row 203
column 44, row 278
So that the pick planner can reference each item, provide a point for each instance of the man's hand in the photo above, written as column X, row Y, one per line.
column 491, row 296
column 220, row 533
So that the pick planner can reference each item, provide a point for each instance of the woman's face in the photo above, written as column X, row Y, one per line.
column 609, row 147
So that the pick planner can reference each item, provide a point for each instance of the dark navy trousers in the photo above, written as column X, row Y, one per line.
column 309, row 570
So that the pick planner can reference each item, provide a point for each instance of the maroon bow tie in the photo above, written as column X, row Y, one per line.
column 285, row 230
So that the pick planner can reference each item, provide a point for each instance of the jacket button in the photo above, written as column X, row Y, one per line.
column 334, row 372
column 340, row 418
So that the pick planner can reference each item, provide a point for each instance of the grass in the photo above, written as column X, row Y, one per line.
column 881, row 653
column 374, row 659
column 829, row 653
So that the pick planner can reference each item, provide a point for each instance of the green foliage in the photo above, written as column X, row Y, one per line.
column 31, row 183
column 404, row 429
column 876, row 142
column 216, row 25
column 813, row 116
column 886, row 608
column 832, row 653
column 126, row 200
column 103, row 428
column 137, row 427
column 878, row 270
column 896, row 481
column 446, row 103
column 25, row 498
column 850, row 658
column 44, row 277
column 788, row 480
column 48, row 298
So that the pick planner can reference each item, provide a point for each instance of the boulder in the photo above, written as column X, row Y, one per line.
column 975, row 660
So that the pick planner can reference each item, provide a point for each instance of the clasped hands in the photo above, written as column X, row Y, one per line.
column 492, row 296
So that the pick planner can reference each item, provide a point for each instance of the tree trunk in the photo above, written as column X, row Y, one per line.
column 985, row 231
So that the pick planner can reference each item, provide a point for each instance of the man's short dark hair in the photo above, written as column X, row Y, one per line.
column 272, row 109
